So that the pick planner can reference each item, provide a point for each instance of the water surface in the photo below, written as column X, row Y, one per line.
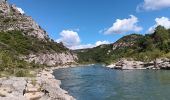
column 100, row 83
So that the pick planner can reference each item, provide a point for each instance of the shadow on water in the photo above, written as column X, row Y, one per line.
column 100, row 83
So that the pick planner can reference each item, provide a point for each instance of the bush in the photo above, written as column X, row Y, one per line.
column 28, row 44
column 22, row 73
column 143, row 48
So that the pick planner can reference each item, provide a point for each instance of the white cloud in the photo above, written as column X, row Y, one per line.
column 153, row 5
column 89, row 45
column 20, row 10
column 82, row 46
column 124, row 25
column 72, row 40
column 69, row 38
column 102, row 42
column 163, row 21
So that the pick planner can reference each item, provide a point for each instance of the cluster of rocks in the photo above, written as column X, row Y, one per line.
column 42, row 87
column 125, row 64
column 12, row 19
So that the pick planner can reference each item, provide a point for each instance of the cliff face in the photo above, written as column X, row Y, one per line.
column 33, row 44
column 51, row 59
column 12, row 19
column 4, row 7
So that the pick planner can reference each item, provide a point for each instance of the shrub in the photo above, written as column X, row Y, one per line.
column 22, row 73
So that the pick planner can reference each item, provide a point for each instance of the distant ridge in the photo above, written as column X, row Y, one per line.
column 134, row 46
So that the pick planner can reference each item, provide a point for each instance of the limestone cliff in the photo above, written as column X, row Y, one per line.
column 12, row 19
column 51, row 59
column 33, row 44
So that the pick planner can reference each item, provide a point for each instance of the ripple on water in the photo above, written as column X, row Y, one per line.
column 100, row 83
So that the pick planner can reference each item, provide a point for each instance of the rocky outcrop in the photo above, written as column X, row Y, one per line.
column 52, row 59
column 125, row 64
column 12, row 19
column 4, row 7
column 52, row 86
column 12, row 89
column 126, row 41
column 43, row 87
column 163, row 63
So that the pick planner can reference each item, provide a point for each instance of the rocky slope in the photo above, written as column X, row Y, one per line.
column 25, row 48
column 108, row 52
column 35, row 45
column 126, row 41
column 12, row 19
column 144, row 48
column 51, row 59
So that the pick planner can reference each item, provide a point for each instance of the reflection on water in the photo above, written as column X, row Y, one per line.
column 100, row 83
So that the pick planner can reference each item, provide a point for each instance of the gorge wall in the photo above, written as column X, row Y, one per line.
column 11, row 19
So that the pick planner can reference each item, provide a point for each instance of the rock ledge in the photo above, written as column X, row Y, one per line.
column 43, row 87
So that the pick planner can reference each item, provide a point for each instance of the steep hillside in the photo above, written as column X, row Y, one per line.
column 24, row 44
column 138, row 47
column 109, row 52
column 12, row 19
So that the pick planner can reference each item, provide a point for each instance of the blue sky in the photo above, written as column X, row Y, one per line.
column 87, row 23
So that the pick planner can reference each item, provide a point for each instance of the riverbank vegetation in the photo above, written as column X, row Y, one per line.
column 139, row 47
column 14, row 44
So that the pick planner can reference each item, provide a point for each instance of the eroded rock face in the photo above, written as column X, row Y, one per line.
column 126, row 41
column 52, row 86
column 4, row 7
column 124, row 64
column 42, row 87
column 12, row 19
column 128, row 64
column 163, row 63
column 52, row 59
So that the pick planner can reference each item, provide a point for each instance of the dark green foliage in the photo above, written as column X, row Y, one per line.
column 144, row 48
column 160, row 34
column 94, row 55
column 27, row 44
column 14, row 44
column 22, row 73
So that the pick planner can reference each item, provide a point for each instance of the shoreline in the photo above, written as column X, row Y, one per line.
column 55, row 83
column 130, row 64
column 44, row 86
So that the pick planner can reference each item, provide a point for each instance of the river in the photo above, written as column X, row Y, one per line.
column 97, row 82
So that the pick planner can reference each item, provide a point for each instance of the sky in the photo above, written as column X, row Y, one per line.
column 89, row 23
